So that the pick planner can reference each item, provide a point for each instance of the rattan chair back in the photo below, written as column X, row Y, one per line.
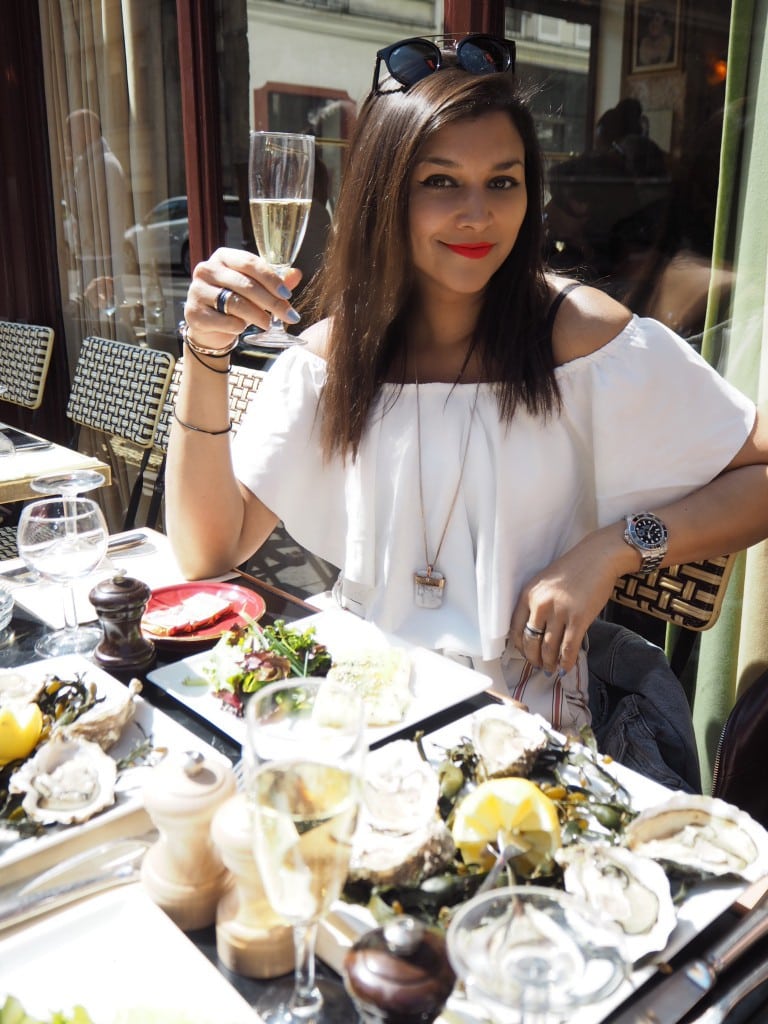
column 25, row 355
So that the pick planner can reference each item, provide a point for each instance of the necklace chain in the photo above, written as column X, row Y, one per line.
column 431, row 564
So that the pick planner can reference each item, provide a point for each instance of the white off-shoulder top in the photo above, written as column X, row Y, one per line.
column 644, row 421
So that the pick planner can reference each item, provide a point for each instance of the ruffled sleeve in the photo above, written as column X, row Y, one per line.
column 277, row 455
column 664, row 422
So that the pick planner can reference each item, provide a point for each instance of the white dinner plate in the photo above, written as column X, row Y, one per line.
column 437, row 683
column 147, row 721
column 123, row 960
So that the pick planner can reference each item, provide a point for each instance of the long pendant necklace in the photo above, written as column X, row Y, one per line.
column 429, row 583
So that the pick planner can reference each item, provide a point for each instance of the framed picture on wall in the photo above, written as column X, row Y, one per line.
column 655, row 35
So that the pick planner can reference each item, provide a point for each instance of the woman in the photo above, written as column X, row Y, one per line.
column 461, row 434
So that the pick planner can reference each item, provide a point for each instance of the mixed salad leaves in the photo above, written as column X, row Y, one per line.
column 251, row 656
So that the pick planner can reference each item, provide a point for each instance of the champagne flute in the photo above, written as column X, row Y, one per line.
column 64, row 539
column 304, row 755
column 281, row 175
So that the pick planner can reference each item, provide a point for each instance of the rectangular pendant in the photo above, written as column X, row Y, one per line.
column 428, row 588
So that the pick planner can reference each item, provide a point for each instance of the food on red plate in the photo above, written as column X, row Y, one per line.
column 193, row 613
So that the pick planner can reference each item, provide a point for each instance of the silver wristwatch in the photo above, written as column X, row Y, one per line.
column 647, row 534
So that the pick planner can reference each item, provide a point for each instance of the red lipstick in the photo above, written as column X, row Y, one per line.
column 473, row 251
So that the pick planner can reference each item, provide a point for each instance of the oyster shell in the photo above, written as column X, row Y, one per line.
column 16, row 688
column 507, row 740
column 400, row 838
column 700, row 836
column 103, row 723
column 66, row 782
column 629, row 889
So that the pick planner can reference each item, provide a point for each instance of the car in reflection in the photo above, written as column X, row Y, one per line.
column 162, row 236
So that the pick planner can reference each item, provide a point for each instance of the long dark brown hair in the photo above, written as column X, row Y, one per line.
column 366, row 280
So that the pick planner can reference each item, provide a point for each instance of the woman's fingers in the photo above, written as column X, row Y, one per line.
column 255, row 293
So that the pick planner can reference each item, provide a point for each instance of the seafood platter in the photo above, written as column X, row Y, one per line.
column 500, row 797
column 74, row 746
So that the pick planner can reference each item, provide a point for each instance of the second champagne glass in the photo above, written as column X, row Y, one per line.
column 304, row 757
column 281, row 176
column 64, row 539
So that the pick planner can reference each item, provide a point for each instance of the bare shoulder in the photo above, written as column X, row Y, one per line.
column 316, row 338
column 586, row 321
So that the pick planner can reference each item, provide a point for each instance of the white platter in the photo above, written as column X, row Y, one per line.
column 147, row 721
column 437, row 683
column 122, row 959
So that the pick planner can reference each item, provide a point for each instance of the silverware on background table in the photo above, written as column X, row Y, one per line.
column 671, row 999
column 115, row 545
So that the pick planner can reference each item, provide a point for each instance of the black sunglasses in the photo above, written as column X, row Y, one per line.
column 410, row 60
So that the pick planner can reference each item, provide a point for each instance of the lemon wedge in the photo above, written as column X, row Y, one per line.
column 503, row 811
column 20, row 729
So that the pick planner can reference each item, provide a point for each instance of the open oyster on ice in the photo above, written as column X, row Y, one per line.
column 104, row 723
column 66, row 782
column 629, row 889
column 700, row 837
column 507, row 740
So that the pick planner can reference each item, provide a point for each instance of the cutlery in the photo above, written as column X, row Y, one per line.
column 116, row 545
column 718, row 1012
column 670, row 1000
column 113, row 863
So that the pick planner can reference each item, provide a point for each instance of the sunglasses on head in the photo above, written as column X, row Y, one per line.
column 410, row 60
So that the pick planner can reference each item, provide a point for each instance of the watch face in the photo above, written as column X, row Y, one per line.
column 649, row 531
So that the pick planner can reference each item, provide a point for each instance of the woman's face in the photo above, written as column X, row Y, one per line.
column 467, row 201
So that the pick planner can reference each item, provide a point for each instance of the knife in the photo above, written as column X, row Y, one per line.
column 670, row 1000
column 718, row 1012
column 122, row 542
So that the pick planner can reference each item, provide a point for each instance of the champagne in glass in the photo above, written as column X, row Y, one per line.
column 304, row 753
column 281, row 177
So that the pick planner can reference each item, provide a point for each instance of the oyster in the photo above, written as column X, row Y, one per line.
column 16, row 688
column 629, row 889
column 66, row 782
column 700, row 836
column 103, row 723
column 507, row 740
column 400, row 838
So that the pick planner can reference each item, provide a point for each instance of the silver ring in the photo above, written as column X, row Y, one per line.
column 532, row 632
column 222, row 299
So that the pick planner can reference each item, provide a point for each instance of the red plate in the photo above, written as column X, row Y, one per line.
column 247, row 605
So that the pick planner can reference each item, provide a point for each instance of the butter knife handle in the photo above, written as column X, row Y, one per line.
column 753, row 927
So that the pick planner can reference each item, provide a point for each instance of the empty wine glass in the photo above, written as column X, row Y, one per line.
column 68, row 484
column 304, row 753
column 533, row 955
column 281, row 175
column 64, row 539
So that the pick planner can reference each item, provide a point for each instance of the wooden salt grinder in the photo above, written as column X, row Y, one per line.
column 250, row 937
column 183, row 872
column 120, row 602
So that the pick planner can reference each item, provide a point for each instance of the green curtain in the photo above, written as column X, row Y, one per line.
column 735, row 651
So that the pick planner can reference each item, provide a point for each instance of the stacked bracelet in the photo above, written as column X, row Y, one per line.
column 213, row 369
column 200, row 430
column 200, row 350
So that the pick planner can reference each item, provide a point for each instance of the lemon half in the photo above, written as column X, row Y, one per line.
column 503, row 811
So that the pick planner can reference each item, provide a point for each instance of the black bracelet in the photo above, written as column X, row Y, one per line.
column 200, row 430
column 201, row 350
column 202, row 362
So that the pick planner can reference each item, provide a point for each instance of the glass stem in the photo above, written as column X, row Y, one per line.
column 70, row 609
column 306, row 995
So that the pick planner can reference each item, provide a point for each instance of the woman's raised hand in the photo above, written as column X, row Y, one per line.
column 244, row 289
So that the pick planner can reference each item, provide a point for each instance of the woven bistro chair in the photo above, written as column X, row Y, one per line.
column 25, row 355
column 689, row 596
column 118, row 391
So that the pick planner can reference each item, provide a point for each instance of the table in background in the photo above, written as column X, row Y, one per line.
column 18, row 471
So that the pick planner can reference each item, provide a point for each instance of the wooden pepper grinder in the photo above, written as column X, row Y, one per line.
column 251, row 938
column 183, row 872
column 120, row 602
column 399, row 974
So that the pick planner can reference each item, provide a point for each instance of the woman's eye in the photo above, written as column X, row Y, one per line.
column 438, row 181
column 504, row 183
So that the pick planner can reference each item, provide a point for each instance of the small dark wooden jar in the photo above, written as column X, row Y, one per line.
column 399, row 974
column 120, row 602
